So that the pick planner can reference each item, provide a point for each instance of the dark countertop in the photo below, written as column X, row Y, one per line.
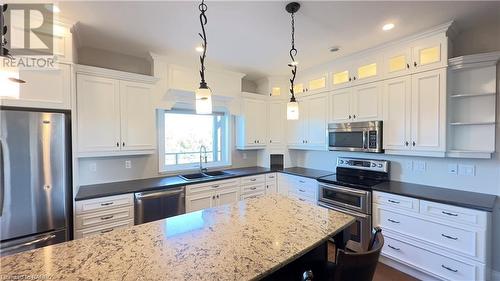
column 466, row 199
column 115, row 188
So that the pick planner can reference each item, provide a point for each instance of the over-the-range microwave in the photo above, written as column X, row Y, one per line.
column 355, row 136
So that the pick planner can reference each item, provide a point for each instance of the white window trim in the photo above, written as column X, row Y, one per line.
column 162, row 169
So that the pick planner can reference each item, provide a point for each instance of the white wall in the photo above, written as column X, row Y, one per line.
column 112, row 60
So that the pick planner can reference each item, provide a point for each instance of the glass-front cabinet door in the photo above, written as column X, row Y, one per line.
column 429, row 54
column 367, row 70
column 317, row 83
column 341, row 76
column 397, row 62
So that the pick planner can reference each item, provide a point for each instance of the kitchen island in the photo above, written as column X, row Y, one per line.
column 247, row 240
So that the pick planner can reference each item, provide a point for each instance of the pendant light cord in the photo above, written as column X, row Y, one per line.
column 293, row 53
column 4, row 52
column 203, row 21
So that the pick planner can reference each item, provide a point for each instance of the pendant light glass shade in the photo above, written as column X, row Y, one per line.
column 203, row 101
column 9, row 83
column 292, row 110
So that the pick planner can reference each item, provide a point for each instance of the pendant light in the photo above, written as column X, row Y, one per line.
column 292, row 107
column 9, row 77
column 203, row 94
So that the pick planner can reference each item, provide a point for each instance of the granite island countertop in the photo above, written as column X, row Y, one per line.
column 246, row 240
column 131, row 186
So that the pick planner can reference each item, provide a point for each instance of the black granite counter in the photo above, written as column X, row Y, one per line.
column 115, row 188
column 466, row 199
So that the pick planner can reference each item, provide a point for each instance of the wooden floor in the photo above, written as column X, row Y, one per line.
column 383, row 272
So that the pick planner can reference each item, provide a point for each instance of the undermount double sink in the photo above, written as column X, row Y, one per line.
column 204, row 175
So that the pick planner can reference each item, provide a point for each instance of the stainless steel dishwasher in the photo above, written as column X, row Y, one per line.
column 157, row 205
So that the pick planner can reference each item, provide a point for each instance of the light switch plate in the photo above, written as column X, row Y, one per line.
column 419, row 166
column 128, row 164
column 466, row 170
column 453, row 169
column 93, row 167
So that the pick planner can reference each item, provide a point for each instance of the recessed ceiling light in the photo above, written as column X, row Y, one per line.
column 199, row 49
column 388, row 26
column 334, row 49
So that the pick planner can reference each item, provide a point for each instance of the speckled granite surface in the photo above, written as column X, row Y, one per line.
column 242, row 241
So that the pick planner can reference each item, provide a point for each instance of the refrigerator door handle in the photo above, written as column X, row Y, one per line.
column 29, row 243
column 2, row 178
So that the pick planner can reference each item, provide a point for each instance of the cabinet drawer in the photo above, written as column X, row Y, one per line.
column 271, row 178
column 104, row 203
column 305, row 191
column 252, row 195
column 455, row 214
column 253, row 180
column 253, row 188
column 396, row 201
column 302, row 181
column 211, row 186
column 82, row 233
column 104, row 217
column 470, row 242
column 432, row 263
column 303, row 198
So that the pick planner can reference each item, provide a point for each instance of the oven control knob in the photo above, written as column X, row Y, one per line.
column 373, row 164
column 380, row 165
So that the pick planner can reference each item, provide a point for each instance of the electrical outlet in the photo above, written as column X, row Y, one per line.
column 93, row 167
column 466, row 170
column 453, row 169
column 244, row 155
column 419, row 166
column 128, row 164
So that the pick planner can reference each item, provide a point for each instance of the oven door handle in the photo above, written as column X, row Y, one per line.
column 342, row 210
column 365, row 140
column 343, row 189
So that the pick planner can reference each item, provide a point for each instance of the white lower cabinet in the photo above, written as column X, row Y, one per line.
column 302, row 188
column 271, row 183
column 445, row 241
column 105, row 214
column 208, row 195
column 253, row 187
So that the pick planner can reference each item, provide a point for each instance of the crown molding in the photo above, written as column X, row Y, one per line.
column 114, row 74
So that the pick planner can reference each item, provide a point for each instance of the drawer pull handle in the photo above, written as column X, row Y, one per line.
column 253, row 179
column 449, row 214
column 392, row 201
column 302, row 181
column 393, row 221
column 253, row 188
column 215, row 186
column 302, row 190
column 394, row 248
column 450, row 269
column 106, row 218
column 107, row 203
column 449, row 237
column 302, row 199
column 107, row 230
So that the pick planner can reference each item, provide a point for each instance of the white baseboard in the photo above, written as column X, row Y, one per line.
column 495, row 275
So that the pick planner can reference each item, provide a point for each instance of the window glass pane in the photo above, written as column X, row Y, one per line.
column 185, row 133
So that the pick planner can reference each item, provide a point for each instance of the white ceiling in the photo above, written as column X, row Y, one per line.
column 254, row 37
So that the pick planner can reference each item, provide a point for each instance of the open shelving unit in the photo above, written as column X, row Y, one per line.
column 472, row 94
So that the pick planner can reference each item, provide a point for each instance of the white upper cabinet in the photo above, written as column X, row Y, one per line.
column 397, row 110
column 360, row 103
column 342, row 76
column 44, row 89
column 98, row 108
column 312, row 84
column 309, row 132
column 366, row 102
column 397, row 62
column 340, row 106
column 251, row 125
column 428, row 109
column 276, row 121
column 414, row 114
column 430, row 53
column 137, row 116
column 367, row 70
column 114, row 117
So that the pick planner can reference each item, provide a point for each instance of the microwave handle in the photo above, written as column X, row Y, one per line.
column 365, row 139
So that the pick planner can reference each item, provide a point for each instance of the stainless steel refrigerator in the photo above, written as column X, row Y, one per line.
column 34, row 179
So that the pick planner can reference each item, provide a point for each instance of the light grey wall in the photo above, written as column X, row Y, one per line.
column 111, row 169
column 482, row 37
column 248, row 86
column 112, row 60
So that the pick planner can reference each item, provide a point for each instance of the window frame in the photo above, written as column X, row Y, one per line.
column 225, row 145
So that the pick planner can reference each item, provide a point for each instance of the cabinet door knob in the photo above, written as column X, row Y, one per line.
column 406, row 143
column 217, row 195
column 415, row 64
column 123, row 143
column 350, row 116
column 408, row 65
column 270, row 141
column 354, row 116
column 117, row 144
column 350, row 79
column 413, row 143
column 213, row 197
column 354, row 78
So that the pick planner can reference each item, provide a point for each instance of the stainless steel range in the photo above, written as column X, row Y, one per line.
column 349, row 191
